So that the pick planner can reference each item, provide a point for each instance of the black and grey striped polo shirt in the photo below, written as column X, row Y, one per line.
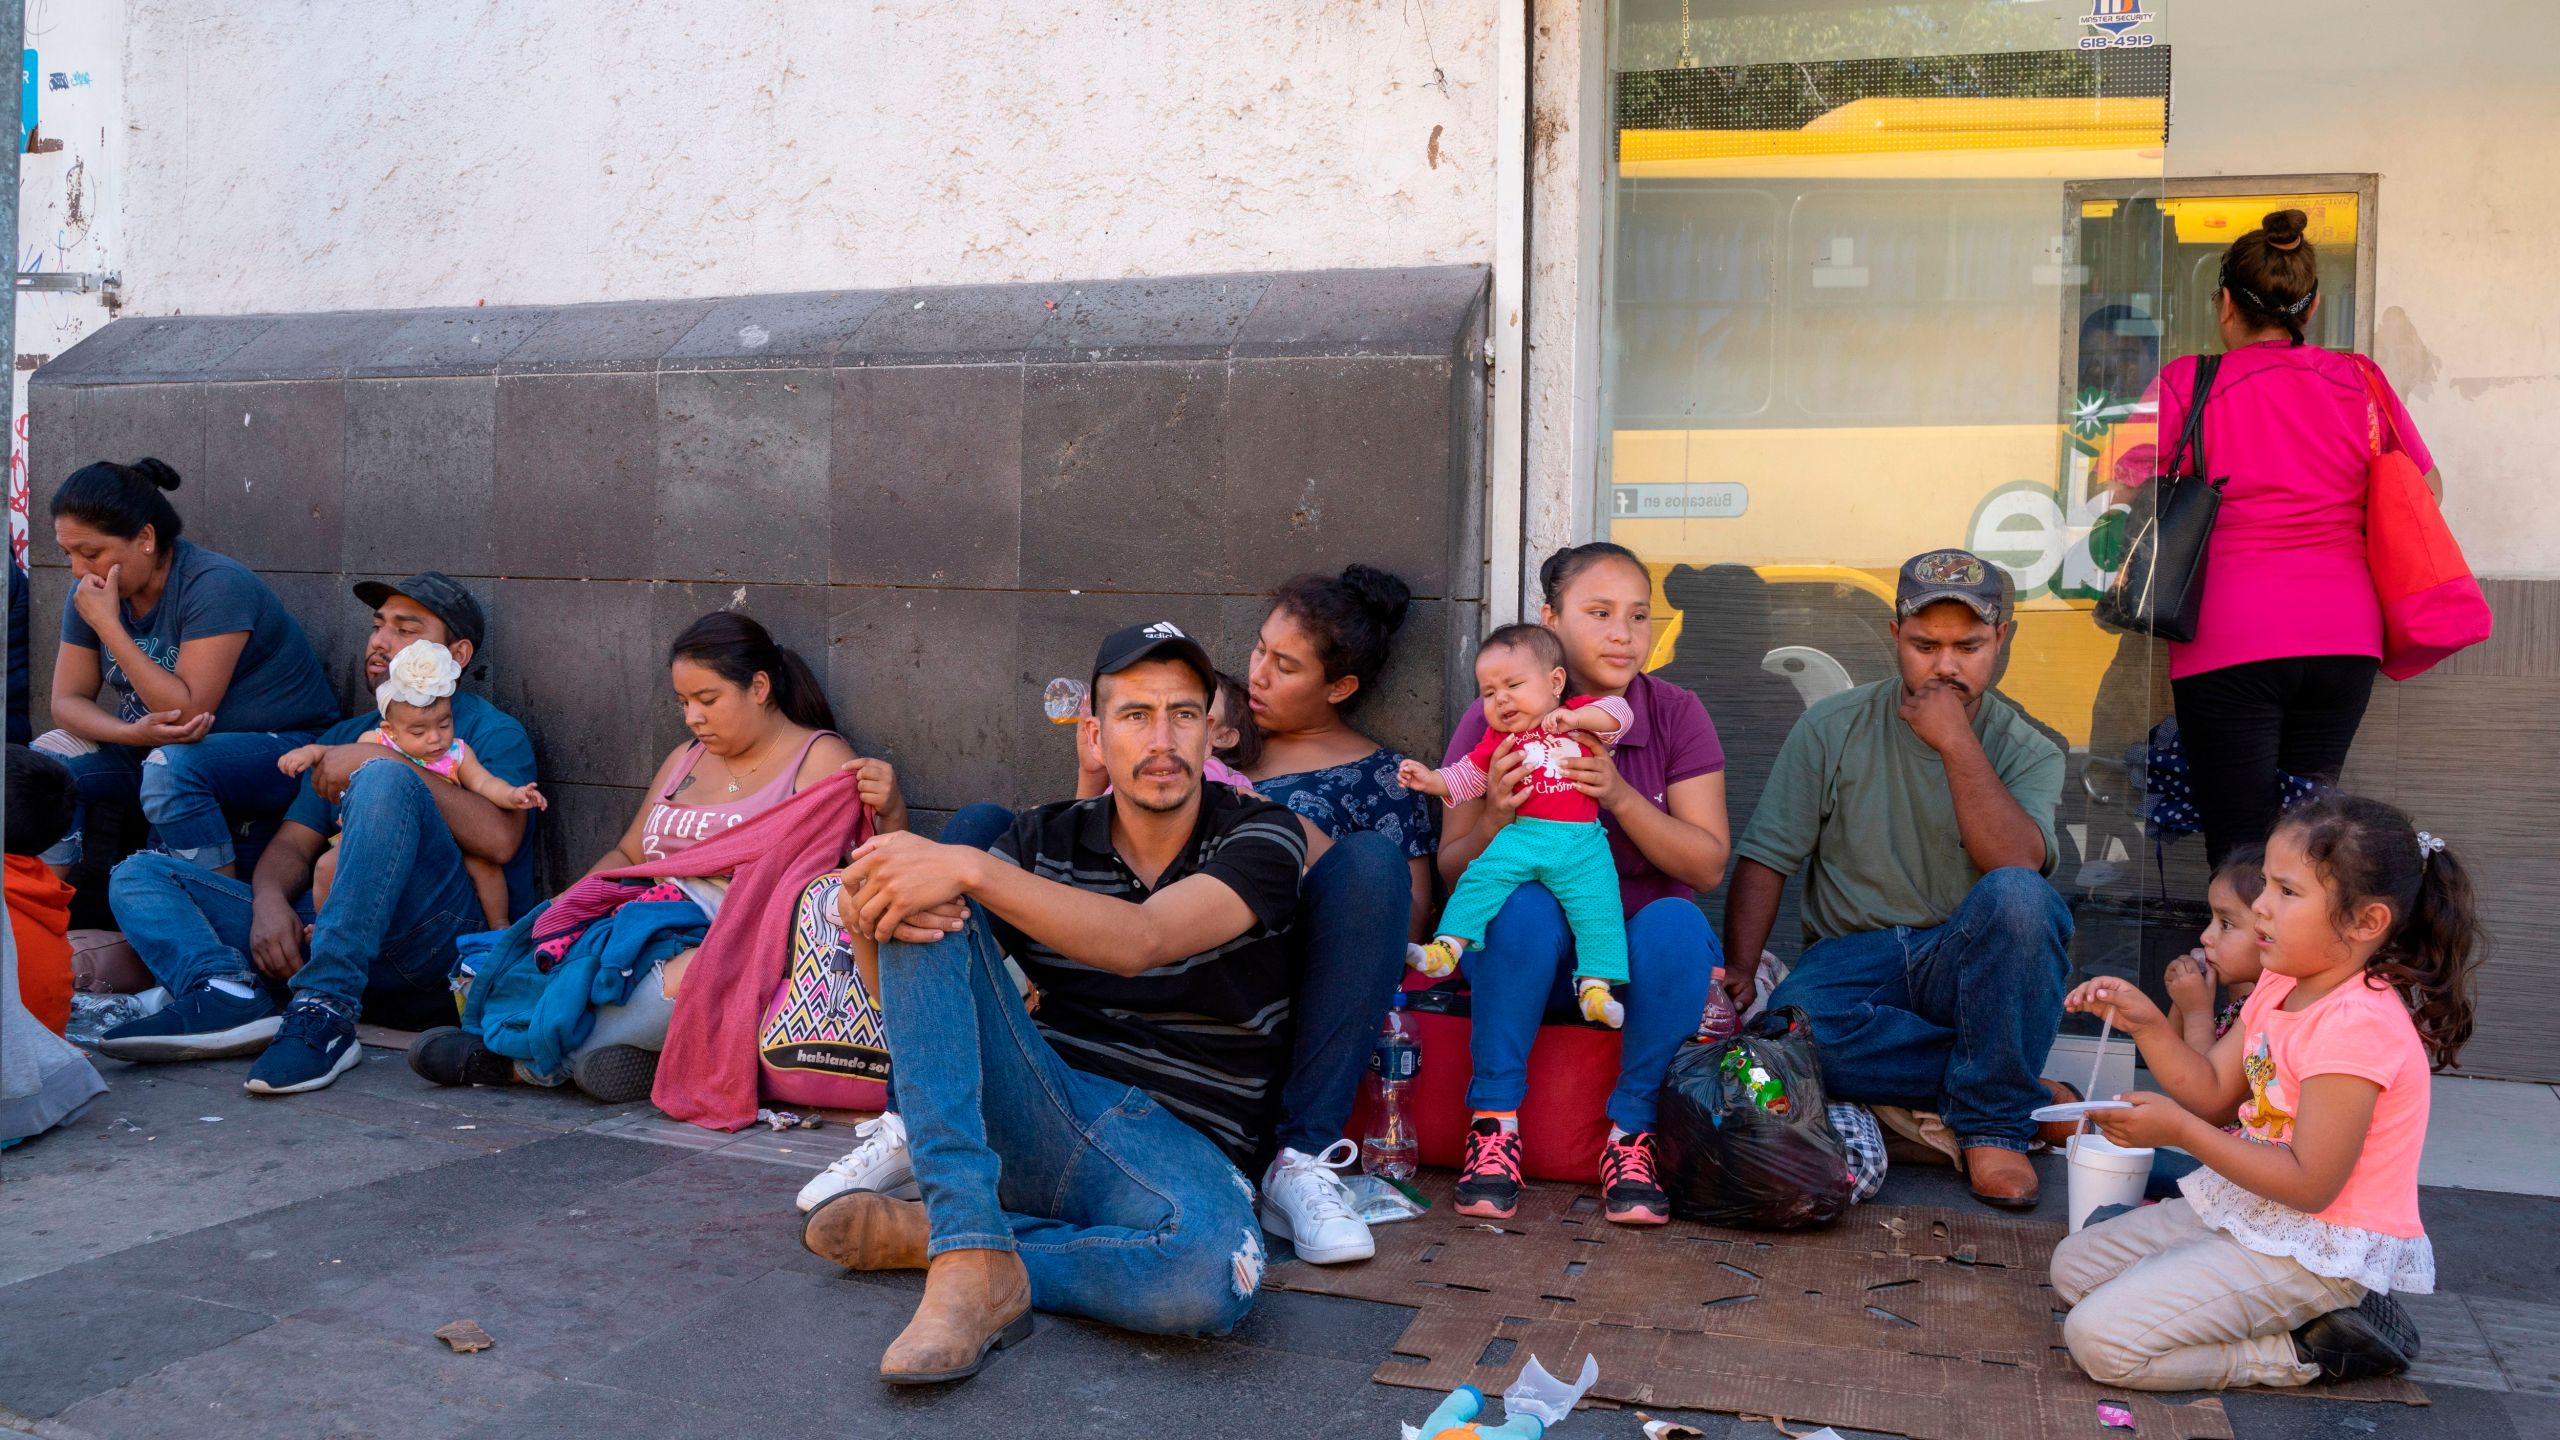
column 1208, row 1037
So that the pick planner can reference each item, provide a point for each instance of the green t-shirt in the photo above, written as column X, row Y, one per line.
column 1861, row 804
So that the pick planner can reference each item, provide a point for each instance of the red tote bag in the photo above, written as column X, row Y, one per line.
column 2431, row 604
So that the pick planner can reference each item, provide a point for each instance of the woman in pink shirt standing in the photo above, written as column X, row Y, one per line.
column 2290, row 634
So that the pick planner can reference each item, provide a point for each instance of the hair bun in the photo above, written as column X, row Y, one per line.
column 159, row 472
column 1381, row 593
column 2285, row 228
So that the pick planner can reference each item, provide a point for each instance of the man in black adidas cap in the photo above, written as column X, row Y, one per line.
column 1087, row 1159
column 234, row 954
column 1919, row 809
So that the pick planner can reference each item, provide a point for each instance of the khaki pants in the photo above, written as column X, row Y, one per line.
column 2159, row 1301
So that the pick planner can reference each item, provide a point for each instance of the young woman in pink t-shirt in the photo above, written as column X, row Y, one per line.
column 2291, row 631
column 2277, row 1264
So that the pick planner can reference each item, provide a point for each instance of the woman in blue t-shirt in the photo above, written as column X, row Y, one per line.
column 209, row 680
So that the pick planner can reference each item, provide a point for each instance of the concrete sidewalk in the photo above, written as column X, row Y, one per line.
column 189, row 1259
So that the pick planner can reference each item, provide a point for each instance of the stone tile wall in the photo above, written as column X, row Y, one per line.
column 941, row 497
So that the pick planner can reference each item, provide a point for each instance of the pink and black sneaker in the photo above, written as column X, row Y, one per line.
column 1489, row 1180
column 1631, row 1196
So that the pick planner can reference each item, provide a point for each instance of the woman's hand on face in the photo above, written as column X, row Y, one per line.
column 165, row 728
column 99, row 600
column 1597, row 776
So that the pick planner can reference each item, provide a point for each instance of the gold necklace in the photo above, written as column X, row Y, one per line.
column 738, row 778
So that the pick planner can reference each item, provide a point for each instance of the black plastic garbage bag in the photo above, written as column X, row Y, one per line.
column 1744, row 1135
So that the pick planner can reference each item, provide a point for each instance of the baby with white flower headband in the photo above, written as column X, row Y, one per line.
column 417, row 724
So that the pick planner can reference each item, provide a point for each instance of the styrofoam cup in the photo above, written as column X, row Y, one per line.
column 2105, row 1174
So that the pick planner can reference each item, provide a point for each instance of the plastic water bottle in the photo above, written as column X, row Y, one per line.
column 1063, row 701
column 94, row 1015
column 1390, row 1149
column 1719, row 1022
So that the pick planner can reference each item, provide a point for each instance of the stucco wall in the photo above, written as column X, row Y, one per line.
column 356, row 155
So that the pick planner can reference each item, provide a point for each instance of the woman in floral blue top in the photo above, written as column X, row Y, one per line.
column 1319, row 654
column 1370, row 887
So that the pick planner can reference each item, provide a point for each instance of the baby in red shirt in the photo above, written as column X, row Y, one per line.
column 1556, row 839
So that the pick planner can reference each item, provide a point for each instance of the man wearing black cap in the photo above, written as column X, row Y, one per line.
column 235, row 956
column 1087, row 1159
column 1920, row 811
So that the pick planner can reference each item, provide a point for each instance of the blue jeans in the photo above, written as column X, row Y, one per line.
column 386, row 937
column 1121, row 1213
column 976, row 826
column 187, row 792
column 1524, row 975
column 1354, row 908
column 1956, row 1018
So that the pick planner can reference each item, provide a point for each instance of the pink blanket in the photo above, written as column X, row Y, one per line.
column 708, row 1072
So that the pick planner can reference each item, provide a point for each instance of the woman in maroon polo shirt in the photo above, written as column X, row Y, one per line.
column 1661, row 796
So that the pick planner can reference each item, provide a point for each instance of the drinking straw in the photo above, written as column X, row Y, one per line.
column 2106, row 1027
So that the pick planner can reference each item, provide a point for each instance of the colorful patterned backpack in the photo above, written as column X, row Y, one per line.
column 821, row 1041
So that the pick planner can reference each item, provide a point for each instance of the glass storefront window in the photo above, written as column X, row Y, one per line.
column 1885, row 278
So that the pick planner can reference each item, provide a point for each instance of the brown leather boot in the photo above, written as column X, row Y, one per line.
column 2056, row 1134
column 2001, row 1177
column 865, row 1230
column 975, row 1302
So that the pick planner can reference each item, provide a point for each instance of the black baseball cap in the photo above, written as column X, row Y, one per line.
column 441, row 595
column 1952, row 575
column 1160, row 639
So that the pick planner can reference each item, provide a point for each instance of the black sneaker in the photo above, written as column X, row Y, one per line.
column 2366, row 1341
column 615, row 1073
column 1633, row 1195
column 314, row 1046
column 1489, row 1178
column 203, row 1024
column 451, row 1055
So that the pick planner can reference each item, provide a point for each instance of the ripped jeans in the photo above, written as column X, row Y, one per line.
column 191, row 794
column 1121, row 1213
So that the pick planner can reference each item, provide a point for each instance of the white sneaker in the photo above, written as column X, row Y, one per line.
column 879, row 1163
column 1306, row 1204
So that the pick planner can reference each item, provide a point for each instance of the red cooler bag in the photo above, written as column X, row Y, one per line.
column 1563, row 1123
column 2431, row 605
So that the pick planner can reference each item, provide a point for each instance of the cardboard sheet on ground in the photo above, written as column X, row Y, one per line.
column 1937, row 1324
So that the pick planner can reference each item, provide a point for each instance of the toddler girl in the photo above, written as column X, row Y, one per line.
column 1556, row 839
column 416, row 699
column 2225, row 957
column 1233, row 742
column 2275, row 1267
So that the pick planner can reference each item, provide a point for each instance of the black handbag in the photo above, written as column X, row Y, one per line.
column 2159, row 590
